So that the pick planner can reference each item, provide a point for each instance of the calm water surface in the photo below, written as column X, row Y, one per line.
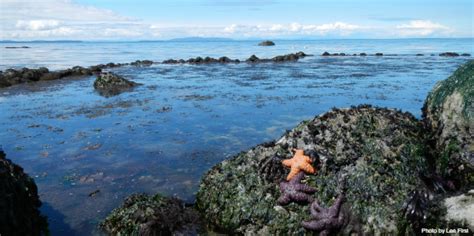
column 164, row 135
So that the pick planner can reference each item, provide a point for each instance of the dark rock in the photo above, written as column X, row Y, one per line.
column 170, row 61
column 19, row 202
column 240, row 195
column 110, row 84
column 466, row 55
column 363, row 54
column 15, row 47
column 266, row 43
column 448, row 115
column 152, row 215
column 142, row 63
column 419, row 55
column 448, row 54
column 253, row 59
column 379, row 54
column 326, row 54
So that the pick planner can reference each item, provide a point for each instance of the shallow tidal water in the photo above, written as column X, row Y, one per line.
column 87, row 152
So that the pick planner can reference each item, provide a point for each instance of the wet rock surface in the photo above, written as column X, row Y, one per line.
column 448, row 114
column 376, row 151
column 266, row 43
column 141, row 214
column 19, row 201
column 109, row 84
column 11, row 76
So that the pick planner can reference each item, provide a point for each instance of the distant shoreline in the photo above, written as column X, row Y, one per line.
column 198, row 39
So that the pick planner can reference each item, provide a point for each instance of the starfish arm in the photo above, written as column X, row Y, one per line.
column 293, row 172
column 308, row 159
column 301, row 197
column 287, row 162
column 308, row 168
column 315, row 225
column 315, row 208
column 337, row 205
column 305, row 188
column 283, row 200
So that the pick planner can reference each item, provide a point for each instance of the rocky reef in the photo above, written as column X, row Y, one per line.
column 141, row 214
column 109, row 84
column 398, row 171
column 11, row 76
column 376, row 151
column 448, row 115
column 252, row 59
column 266, row 43
column 19, row 202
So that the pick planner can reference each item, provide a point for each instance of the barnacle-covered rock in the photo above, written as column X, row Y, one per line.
column 448, row 115
column 376, row 152
column 110, row 84
column 19, row 202
column 144, row 215
column 460, row 210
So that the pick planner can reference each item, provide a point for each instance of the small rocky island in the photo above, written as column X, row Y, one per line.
column 378, row 171
column 266, row 43
column 109, row 84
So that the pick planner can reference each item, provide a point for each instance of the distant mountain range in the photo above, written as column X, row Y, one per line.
column 40, row 41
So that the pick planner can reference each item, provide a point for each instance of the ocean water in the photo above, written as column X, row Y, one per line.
column 164, row 135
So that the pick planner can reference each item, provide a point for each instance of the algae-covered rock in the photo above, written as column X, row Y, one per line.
column 448, row 115
column 376, row 153
column 141, row 214
column 19, row 202
column 110, row 84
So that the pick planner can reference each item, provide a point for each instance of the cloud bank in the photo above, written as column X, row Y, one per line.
column 65, row 19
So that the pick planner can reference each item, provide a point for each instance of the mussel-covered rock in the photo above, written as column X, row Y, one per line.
column 448, row 115
column 266, row 43
column 376, row 153
column 110, row 84
column 19, row 202
column 144, row 215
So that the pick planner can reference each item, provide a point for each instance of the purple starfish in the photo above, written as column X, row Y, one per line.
column 294, row 190
column 325, row 220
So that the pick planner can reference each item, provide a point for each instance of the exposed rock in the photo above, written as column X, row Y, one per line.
column 16, row 47
column 266, row 43
column 448, row 114
column 326, row 54
column 19, row 202
column 142, row 63
column 378, row 152
column 110, row 84
column 363, row 54
column 152, row 215
column 253, row 59
column 466, row 55
column 379, row 54
column 419, row 54
column 448, row 54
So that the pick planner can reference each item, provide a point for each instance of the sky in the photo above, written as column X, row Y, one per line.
column 237, row 19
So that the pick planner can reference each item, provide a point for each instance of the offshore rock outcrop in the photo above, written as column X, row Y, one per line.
column 109, row 84
column 448, row 114
column 19, row 202
column 252, row 59
column 145, row 215
column 266, row 43
column 376, row 151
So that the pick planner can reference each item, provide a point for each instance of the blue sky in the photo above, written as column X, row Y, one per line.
column 165, row 19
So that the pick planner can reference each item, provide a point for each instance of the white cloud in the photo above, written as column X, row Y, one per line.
column 336, row 28
column 422, row 28
column 37, row 24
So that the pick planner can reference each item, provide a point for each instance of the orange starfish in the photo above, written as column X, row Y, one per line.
column 298, row 163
